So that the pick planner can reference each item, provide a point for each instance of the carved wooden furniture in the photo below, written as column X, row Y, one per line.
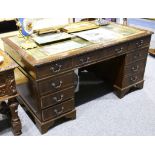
column 49, row 93
column 8, row 92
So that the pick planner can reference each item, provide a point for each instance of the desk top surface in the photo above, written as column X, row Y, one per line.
column 84, row 41
column 8, row 62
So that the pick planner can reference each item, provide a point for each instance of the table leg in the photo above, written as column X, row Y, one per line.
column 15, row 121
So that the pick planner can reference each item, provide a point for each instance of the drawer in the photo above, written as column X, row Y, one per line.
column 7, row 83
column 2, row 79
column 119, row 49
column 136, row 55
column 56, row 83
column 139, row 43
column 53, row 68
column 57, row 98
column 57, row 110
column 129, row 80
column 138, row 66
column 85, row 59
column 6, row 76
column 114, row 51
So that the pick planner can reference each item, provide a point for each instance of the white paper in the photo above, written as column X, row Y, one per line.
column 62, row 47
column 99, row 35
column 1, row 59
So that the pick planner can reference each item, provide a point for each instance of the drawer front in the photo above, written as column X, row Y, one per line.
column 85, row 59
column 54, row 84
column 57, row 98
column 57, row 110
column 139, row 43
column 54, row 68
column 114, row 51
column 7, row 83
column 2, row 79
column 138, row 66
column 119, row 49
column 136, row 55
column 129, row 80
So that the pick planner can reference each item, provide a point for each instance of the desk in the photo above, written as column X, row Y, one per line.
column 8, row 92
column 49, row 93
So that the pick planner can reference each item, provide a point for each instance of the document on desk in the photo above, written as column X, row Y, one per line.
column 62, row 47
column 99, row 35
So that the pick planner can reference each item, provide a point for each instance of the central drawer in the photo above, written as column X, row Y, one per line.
column 114, row 50
column 57, row 110
column 56, row 83
column 118, row 49
column 85, row 59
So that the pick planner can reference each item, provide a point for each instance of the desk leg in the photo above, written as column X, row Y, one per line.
column 15, row 121
column 121, row 92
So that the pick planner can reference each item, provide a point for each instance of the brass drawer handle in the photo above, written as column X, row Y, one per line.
column 83, row 61
column 135, row 68
column 59, row 112
column 119, row 50
column 56, row 68
column 58, row 99
column 139, row 44
column 57, row 85
column 134, row 78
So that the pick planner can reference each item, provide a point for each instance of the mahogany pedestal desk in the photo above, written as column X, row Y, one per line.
column 49, row 93
column 8, row 92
